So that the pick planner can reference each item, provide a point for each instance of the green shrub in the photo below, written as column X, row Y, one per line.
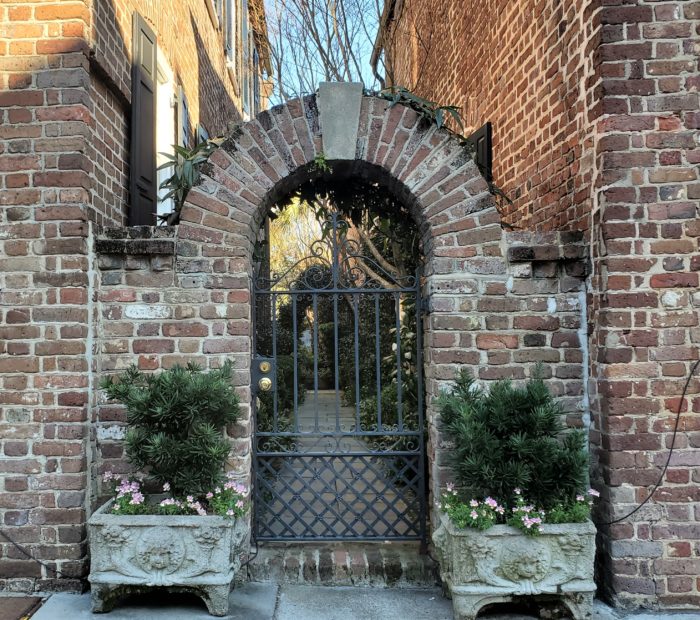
column 175, row 420
column 509, row 438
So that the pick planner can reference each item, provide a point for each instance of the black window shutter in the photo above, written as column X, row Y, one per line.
column 481, row 139
column 144, row 191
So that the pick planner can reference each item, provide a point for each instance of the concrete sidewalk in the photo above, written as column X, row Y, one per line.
column 267, row 601
column 270, row 601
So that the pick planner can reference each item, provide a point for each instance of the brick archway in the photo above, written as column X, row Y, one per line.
column 364, row 137
column 498, row 301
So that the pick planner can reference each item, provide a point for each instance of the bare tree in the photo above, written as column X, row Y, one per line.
column 312, row 41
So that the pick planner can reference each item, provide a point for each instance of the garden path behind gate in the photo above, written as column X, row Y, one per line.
column 327, row 491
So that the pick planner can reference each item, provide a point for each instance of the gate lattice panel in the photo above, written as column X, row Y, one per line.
column 339, row 434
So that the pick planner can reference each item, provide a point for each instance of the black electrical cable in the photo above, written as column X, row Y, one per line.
column 670, row 451
column 254, row 542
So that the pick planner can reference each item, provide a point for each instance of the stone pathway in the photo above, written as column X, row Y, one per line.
column 337, row 492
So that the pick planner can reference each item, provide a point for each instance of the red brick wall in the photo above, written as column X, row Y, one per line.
column 646, row 304
column 158, row 309
column 626, row 126
column 64, row 171
column 528, row 68
column 45, row 189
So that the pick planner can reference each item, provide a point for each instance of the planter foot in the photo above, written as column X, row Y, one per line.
column 580, row 604
column 467, row 606
column 216, row 599
column 103, row 597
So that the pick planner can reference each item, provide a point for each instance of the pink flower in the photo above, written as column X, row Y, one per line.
column 209, row 495
column 189, row 499
column 136, row 498
column 239, row 503
column 580, row 498
column 500, row 510
column 166, row 487
column 229, row 513
column 108, row 475
column 473, row 514
column 517, row 490
column 593, row 493
column 450, row 487
column 473, row 503
column 492, row 503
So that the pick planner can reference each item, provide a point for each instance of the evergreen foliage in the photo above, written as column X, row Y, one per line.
column 511, row 437
column 175, row 421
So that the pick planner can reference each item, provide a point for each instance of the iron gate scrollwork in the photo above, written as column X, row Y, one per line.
column 339, row 444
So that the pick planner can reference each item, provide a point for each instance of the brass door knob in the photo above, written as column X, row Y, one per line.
column 265, row 366
column 265, row 384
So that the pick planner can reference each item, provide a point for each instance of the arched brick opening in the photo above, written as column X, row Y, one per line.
column 498, row 301
column 424, row 167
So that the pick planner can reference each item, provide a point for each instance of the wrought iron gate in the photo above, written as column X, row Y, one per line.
column 337, row 375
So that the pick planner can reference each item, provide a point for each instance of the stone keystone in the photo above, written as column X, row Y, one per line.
column 339, row 111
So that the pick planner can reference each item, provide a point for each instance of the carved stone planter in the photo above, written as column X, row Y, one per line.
column 500, row 564
column 130, row 554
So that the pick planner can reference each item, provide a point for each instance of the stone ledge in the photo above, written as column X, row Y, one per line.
column 546, row 249
column 140, row 232
column 135, row 247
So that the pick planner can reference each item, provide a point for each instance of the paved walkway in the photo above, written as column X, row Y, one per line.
column 338, row 492
column 258, row 601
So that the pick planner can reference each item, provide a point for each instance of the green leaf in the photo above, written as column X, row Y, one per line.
column 439, row 118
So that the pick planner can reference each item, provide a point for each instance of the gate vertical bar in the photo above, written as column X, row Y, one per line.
column 315, row 351
column 356, row 313
column 275, row 421
column 399, row 381
column 420, row 412
column 336, row 362
column 295, row 361
column 378, row 360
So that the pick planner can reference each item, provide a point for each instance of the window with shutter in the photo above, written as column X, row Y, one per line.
column 143, row 125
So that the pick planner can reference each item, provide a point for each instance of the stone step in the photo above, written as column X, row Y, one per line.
column 390, row 564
